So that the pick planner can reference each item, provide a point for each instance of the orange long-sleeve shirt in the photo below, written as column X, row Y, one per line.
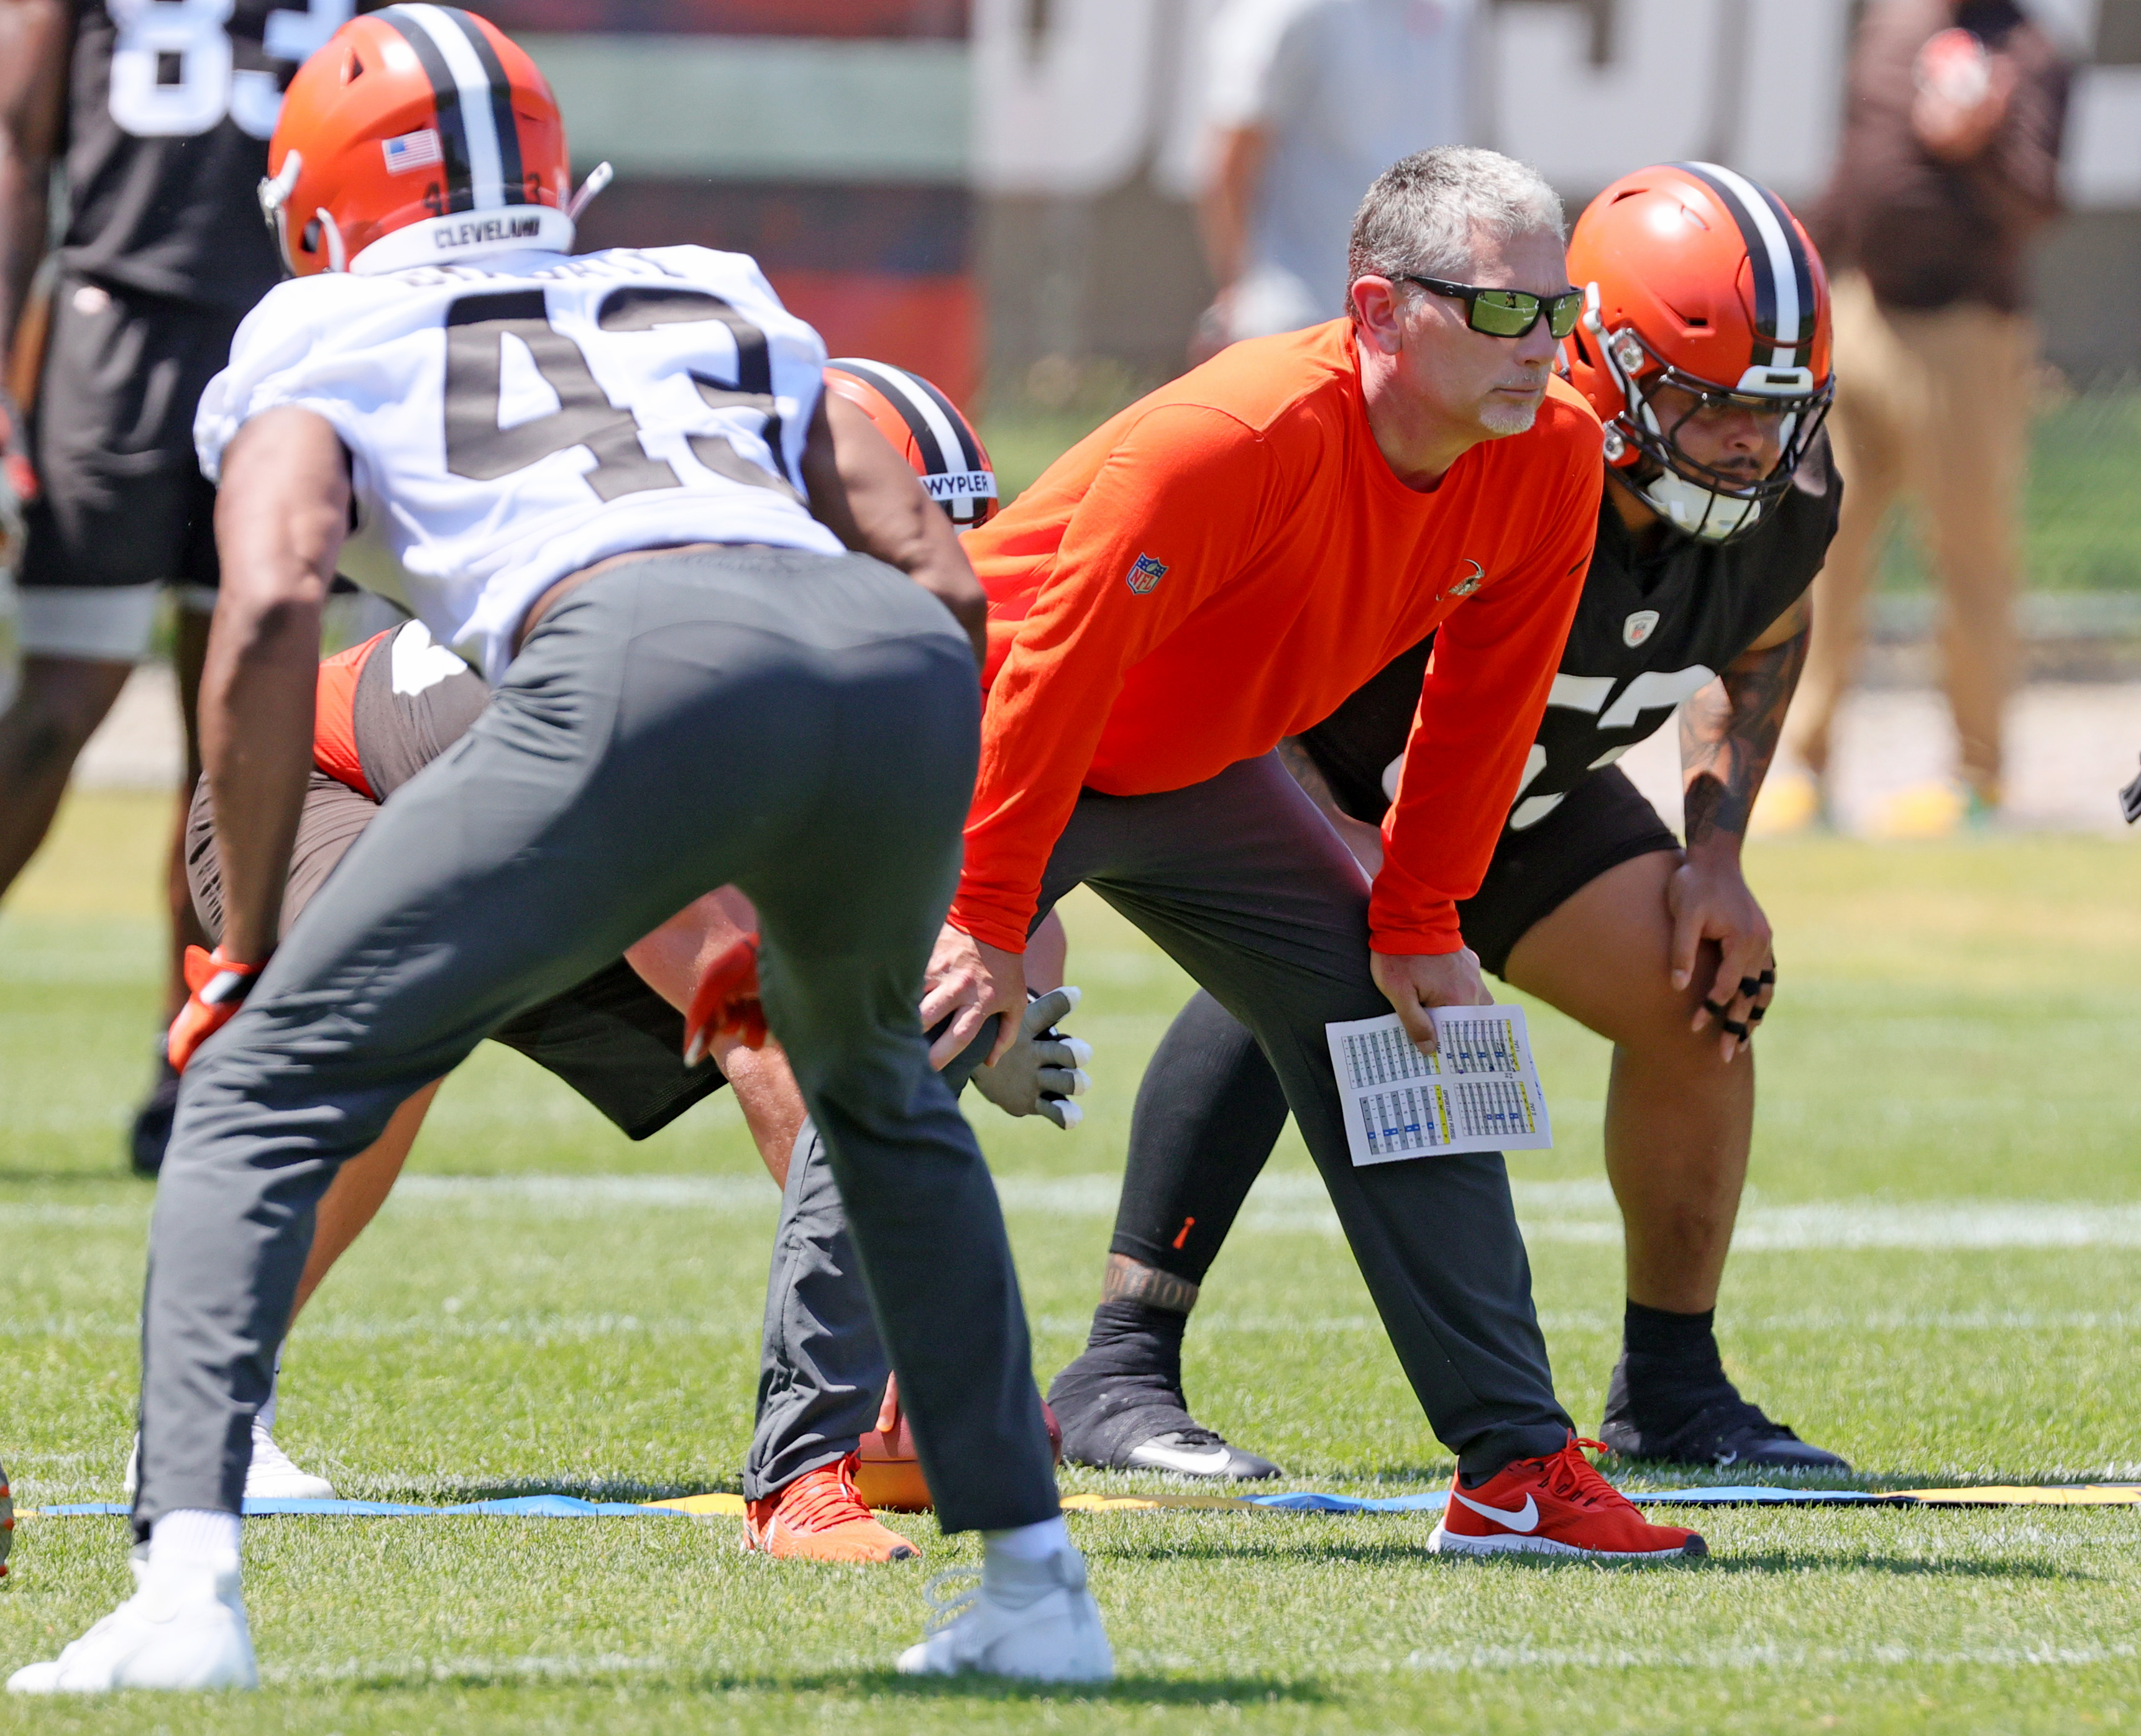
column 1225, row 562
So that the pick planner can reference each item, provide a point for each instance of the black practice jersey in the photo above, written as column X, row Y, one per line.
column 1651, row 630
column 171, row 104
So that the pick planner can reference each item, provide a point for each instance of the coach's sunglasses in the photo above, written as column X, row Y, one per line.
column 1508, row 312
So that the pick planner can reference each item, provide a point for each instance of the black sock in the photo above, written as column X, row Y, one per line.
column 1685, row 1340
column 1131, row 1366
column 1670, row 1369
column 1136, row 1337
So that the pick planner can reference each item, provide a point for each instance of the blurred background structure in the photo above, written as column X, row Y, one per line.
column 1003, row 194
column 828, row 138
column 1019, row 177
column 1088, row 148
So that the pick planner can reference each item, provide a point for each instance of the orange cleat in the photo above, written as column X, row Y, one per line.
column 1557, row 1505
column 819, row 1517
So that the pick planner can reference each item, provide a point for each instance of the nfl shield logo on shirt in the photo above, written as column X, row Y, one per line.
column 1639, row 627
column 1145, row 574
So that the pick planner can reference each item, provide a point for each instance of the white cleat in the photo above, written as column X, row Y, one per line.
column 183, row 1628
column 273, row 1475
column 1032, row 1620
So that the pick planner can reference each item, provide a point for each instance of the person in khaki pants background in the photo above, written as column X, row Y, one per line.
column 1949, row 166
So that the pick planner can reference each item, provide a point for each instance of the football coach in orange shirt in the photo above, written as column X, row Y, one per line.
column 1219, row 567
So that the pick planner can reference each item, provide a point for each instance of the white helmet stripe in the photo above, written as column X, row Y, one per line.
column 914, row 406
column 1776, row 253
column 486, row 172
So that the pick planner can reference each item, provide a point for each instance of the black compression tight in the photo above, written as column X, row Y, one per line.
column 1209, row 1113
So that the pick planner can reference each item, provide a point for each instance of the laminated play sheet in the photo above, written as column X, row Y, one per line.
column 1480, row 1092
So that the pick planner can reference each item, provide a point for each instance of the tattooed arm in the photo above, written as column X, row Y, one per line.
column 1729, row 731
column 1364, row 840
column 1728, row 736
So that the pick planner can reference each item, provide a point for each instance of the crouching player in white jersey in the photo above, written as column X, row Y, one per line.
column 611, row 482
column 385, row 709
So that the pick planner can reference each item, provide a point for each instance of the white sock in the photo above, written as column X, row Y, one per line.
column 265, row 1421
column 1028, row 1542
column 190, row 1537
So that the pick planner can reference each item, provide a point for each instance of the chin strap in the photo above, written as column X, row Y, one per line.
column 1701, row 512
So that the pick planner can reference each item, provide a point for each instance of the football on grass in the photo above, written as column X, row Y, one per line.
column 890, row 1475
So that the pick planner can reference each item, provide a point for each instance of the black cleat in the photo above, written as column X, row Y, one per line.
column 1711, row 1428
column 1121, row 1407
column 152, row 1123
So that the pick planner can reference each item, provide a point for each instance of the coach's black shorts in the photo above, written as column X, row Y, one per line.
column 1603, row 823
column 611, row 1038
column 123, row 508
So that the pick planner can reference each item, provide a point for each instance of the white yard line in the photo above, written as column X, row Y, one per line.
column 2070, row 745
column 1578, row 1213
column 1768, row 1657
column 1551, row 1211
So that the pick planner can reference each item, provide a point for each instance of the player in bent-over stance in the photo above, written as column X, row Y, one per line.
column 610, row 481
column 389, row 706
column 1705, row 349
column 1217, row 568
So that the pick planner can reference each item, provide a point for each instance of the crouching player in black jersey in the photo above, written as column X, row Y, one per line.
column 1705, row 349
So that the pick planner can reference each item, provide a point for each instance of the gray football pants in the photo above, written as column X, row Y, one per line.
column 1242, row 883
column 763, row 717
column 821, row 1365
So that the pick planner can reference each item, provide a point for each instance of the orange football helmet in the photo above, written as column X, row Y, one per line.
column 928, row 429
column 1696, row 278
column 416, row 135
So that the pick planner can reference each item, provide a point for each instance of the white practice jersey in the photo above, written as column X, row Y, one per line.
column 514, row 419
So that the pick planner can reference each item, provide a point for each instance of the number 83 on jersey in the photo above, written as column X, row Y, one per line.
column 174, row 71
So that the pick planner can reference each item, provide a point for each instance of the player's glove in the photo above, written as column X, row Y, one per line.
column 15, row 450
column 18, row 483
column 1043, row 1070
column 219, row 986
column 726, row 1001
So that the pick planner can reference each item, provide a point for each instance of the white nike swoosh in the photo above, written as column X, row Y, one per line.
column 1522, row 1518
column 1204, row 1462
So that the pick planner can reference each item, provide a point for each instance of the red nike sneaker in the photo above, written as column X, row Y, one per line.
column 1558, row 1505
column 819, row 1517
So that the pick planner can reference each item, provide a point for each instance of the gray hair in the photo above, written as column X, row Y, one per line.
column 1426, row 212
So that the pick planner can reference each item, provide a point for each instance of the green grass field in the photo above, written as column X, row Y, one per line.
column 1938, row 1277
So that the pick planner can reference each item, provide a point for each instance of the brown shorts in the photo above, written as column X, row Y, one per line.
column 611, row 1038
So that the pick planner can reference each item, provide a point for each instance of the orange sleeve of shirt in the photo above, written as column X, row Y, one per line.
column 334, row 715
column 1177, row 495
column 1494, row 661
